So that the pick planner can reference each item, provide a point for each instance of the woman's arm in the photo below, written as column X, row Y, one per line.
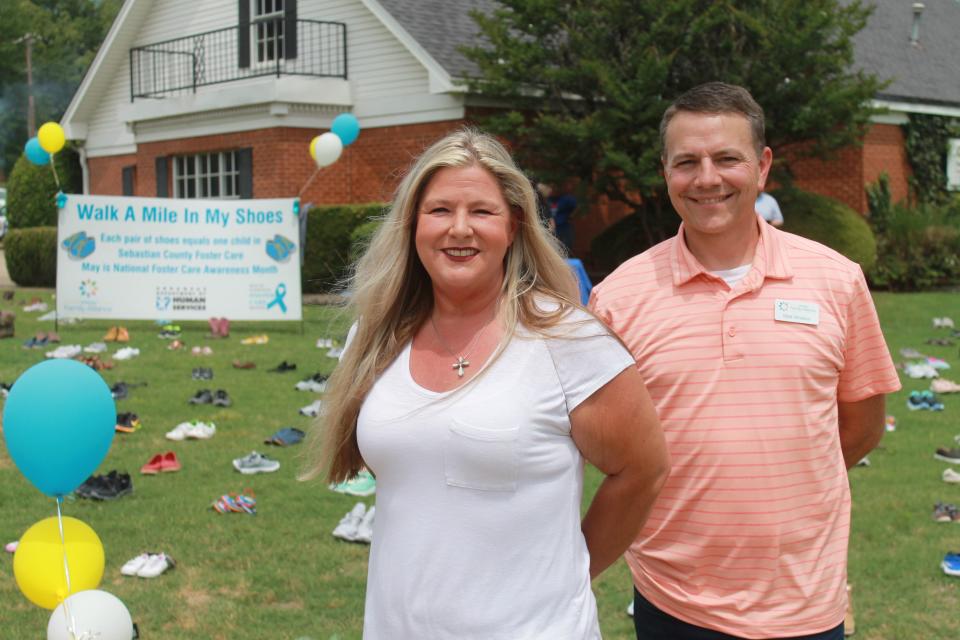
column 617, row 431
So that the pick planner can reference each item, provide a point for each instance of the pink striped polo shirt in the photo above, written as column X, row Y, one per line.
column 749, row 535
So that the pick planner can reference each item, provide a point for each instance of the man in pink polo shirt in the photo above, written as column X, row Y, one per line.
column 764, row 356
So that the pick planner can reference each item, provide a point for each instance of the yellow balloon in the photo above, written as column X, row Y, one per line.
column 51, row 137
column 313, row 148
column 38, row 561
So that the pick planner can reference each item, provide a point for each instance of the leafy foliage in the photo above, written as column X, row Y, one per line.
column 927, row 139
column 31, row 190
column 829, row 222
column 329, row 241
column 918, row 247
column 31, row 256
column 587, row 82
column 67, row 34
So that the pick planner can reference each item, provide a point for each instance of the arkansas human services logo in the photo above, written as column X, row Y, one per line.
column 181, row 298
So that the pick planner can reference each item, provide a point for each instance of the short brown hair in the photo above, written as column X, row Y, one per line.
column 717, row 97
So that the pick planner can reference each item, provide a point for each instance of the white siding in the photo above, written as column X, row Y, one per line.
column 388, row 84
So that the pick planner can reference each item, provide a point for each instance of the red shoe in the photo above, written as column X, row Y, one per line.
column 169, row 462
column 153, row 467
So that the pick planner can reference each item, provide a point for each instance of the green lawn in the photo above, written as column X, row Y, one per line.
column 280, row 575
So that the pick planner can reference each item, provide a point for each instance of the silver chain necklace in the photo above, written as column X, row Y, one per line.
column 462, row 361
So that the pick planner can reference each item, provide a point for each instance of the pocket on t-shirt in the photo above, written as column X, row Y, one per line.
column 481, row 458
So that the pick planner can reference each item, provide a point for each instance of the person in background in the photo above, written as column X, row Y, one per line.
column 543, row 191
column 475, row 387
column 562, row 208
column 769, row 209
column 764, row 356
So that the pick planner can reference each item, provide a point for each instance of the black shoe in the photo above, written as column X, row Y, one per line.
column 114, row 485
column 201, row 397
column 221, row 399
column 202, row 373
column 119, row 391
column 283, row 367
column 85, row 490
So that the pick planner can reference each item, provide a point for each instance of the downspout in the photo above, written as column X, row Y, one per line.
column 84, row 169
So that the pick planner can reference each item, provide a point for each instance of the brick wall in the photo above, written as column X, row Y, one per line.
column 367, row 170
column 845, row 177
column 105, row 174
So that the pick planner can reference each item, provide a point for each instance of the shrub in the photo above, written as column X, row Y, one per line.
column 32, row 256
column 31, row 190
column 920, row 249
column 829, row 222
column 622, row 240
column 328, row 244
column 360, row 238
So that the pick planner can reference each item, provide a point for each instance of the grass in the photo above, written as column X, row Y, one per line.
column 280, row 575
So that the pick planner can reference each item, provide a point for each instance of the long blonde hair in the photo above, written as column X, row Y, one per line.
column 392, row 295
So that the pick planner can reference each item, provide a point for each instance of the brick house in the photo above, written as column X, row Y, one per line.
column 220, row 98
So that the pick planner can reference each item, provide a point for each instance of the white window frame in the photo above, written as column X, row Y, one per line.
column 261, row 20
column 199, row 176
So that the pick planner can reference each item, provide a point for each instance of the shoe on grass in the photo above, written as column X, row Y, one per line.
column 236, row 503
column 203, row 396
column 221, row 398
column 630, row 609
column 286, row 437
column 115, row 485
column 950, row 476
column 255, row 462
column 132, row 566
column 201, row 430
column 169, row 462
column 942, row 385
column 316, row 383
column 348, row 525
column 312, row 410
column 156, row 565
column 951, row 564
column 365, row 528
column 948, row 455
column 363, row 484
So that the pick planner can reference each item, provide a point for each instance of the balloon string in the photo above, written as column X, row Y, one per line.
column 315, row 172
column 53, row 167
column 71, row 623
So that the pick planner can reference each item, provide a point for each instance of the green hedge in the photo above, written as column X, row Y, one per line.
column 32, row 256
column 329, row 242
column 829, row 222
column 31, row 190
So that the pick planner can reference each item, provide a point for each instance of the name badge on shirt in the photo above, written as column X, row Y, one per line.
column 796, row 311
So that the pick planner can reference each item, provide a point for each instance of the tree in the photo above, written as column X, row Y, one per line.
column 586, row 82
column 66, row 36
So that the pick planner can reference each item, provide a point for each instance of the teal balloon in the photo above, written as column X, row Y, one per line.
column 58, row 423
column 346, row 127
column 35, row 152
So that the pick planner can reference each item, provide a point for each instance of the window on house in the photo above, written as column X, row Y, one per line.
column 267, row 32
column 206, row 175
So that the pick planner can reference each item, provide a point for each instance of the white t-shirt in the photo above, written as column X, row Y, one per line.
column 477, row 535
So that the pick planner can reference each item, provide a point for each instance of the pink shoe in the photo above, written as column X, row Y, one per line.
column 224, row 328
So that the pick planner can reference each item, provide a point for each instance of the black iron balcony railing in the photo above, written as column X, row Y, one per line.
column 272, row 47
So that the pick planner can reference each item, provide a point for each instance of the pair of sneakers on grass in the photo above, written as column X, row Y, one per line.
column 193, row 430
column 148, row 565
column 357, row 525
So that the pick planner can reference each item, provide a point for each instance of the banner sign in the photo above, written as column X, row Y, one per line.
column 160, row 258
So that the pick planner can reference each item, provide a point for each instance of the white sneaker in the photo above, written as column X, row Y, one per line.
column 156, row 564
column 95, row 347
column 951, row 476
column 179, row 432
column 630, row 609
column 335, row 352
column 131, row 567
column 312, row 410
column 201, row 430
column 365, row 529
column 65, row 351
column 347, row 528
column 311, row 385
column 324, row 343
column 126, row 353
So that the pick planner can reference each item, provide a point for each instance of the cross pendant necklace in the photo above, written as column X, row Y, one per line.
column 459, row 365
column 462, row 362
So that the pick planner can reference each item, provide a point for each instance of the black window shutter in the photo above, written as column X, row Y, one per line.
column 243, row 34
column 290, row 31
column 126, row 175
column 163, row 172
column 245, row 167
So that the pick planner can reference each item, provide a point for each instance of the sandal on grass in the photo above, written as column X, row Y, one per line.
column 236, row 503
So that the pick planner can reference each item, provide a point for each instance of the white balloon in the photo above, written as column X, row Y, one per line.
column 328, row 149
column 95, row 614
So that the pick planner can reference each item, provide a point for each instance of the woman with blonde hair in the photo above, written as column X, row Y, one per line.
column 474, row 386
